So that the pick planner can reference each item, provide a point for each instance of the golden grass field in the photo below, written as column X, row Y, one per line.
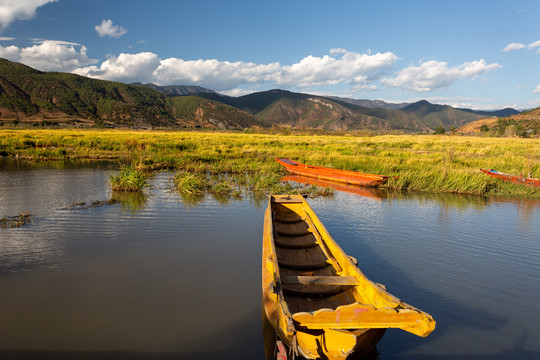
column 430, row 163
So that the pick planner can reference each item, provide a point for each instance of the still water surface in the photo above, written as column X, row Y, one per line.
column 156, row 277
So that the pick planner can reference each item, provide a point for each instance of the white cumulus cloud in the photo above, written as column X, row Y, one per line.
column 432, row 75
column 108, row 29
column 519, row 46
column 513, row 46
column 351, row 67
column 218, row 75
column 357, row 70
column 11, row 10
column 49, row 55
column 537, row 90
column 125, row 68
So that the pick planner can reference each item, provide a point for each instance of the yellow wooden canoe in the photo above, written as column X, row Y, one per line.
column 320, row 303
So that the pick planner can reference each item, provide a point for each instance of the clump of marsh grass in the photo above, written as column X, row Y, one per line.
column 190, row 183
column 225, row 188
column 128, row 179
column 15, row 221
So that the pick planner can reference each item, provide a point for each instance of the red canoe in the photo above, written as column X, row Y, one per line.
column 511, row 178
column 345, row 176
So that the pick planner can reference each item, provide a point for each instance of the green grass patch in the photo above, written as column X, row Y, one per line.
column 191, row 183
column 128, row 179
column 446, row 164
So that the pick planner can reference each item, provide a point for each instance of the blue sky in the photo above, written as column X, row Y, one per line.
column 477, row 54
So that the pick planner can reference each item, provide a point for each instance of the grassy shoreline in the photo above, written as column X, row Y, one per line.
column 447, row 164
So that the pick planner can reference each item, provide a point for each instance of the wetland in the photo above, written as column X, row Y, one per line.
column 159, row 275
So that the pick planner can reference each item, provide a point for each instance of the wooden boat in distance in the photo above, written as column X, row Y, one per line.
column 363, row 191
column 346, row 176
column 320, row 304
column 512, row 178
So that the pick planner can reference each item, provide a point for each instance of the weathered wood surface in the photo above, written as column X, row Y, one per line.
column 320, row 280
column 315, row 294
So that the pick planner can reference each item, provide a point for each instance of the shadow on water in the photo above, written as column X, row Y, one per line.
column 462, row 315
column 518, row 351
column 239, row 341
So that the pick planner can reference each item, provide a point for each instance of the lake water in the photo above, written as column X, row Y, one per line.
column 157, row 277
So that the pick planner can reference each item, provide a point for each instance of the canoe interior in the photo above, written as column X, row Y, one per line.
column 299, row 254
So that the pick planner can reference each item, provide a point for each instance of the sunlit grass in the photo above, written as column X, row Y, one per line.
column 128, row 179
column 447, row 164
column 191, row 183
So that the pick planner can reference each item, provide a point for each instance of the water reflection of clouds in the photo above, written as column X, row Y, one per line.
column 23, row 250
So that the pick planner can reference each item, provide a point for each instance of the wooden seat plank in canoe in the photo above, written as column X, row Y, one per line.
column 292, row 229
column 297, row 242
column 314, row 303
column 306, row 259
column 313, row 291
column 319, row 280
column 288, row 218
column 319, row 286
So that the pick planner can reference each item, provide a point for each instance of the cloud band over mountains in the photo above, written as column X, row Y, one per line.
column 339, row 67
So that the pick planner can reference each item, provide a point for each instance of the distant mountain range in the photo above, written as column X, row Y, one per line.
column 378, row 104
column 31, row 96
column 397, row 106
column 432, row 115
column 279, row 107
column 177, row 90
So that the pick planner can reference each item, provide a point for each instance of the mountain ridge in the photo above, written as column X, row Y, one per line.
column 372, row 104
column 30, row 95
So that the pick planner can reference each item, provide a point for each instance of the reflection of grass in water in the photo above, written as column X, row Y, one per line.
column 191, row 200
column 225, row 187
column 131, row 201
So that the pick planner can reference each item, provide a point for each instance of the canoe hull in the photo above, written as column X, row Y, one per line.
column 512, row 178
column 344, row 176
column 323, row 307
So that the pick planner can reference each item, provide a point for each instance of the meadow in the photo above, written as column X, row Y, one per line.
column 431, row 163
